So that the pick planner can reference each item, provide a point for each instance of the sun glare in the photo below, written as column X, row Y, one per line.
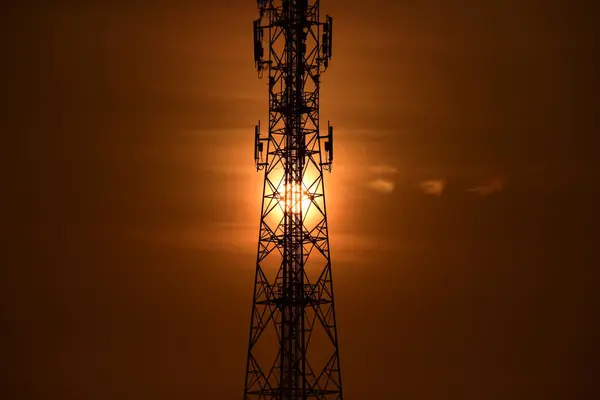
column 294, row 199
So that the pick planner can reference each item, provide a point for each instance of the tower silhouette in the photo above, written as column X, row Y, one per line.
column 293, row 348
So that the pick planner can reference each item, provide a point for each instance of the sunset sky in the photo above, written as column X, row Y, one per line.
column 463, row 202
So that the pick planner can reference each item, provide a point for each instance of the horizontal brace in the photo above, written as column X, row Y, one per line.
column 306, row 303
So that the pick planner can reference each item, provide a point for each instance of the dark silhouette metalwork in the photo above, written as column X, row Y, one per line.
column 293, row 350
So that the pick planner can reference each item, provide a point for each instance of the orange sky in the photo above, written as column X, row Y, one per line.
column 461, row 203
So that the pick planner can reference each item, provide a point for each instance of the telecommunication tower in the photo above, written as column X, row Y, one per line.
column 293, row 350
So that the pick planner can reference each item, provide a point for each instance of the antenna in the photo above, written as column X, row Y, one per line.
column 258, row 148
column 258, row 47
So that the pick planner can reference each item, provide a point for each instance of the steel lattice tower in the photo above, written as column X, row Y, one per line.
column 293, row 349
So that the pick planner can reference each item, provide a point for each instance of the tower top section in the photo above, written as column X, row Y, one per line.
column 291, row 16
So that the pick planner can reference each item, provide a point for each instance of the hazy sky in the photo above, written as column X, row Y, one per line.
column 462, row 204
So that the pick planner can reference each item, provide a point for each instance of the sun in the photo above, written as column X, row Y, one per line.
column 293, row 198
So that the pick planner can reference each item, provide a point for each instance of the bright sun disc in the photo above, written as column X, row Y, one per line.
column 294, row 199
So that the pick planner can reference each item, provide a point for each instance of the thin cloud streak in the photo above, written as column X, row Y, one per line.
column 381, row 185
column 433, row 186
column 493, row 185
column 383, row 169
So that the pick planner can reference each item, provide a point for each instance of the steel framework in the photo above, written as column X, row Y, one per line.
column 293, row 347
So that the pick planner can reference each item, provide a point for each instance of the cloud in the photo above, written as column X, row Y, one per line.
column 381, row 185
column 383, row 169
column 493, row 185
column 433, row 186
column 382, row 181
